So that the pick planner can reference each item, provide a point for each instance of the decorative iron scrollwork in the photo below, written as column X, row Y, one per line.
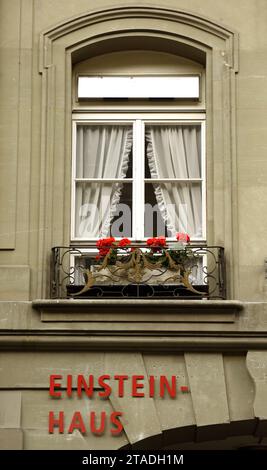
column 191, row 272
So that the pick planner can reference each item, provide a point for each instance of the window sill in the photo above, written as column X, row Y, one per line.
column 138, row 311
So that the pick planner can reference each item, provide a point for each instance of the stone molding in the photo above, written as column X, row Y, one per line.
column 139, row 11
column 129, row 325
column 57, row 47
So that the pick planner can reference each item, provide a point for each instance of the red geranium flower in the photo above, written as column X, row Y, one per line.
column 182, row 237
column 124, row 242
column 104, row 245
column 102, row 252
column 105, row 242
column 156, row 242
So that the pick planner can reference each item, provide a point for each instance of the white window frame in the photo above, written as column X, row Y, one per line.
column 139, row 120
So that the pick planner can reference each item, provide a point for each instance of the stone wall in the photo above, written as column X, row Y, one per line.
column 35, row 186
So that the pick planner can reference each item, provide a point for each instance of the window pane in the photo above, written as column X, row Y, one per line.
column 103, row 209
column 173, row 207
column 103, row 151
column 155, row 225
column 173, row 151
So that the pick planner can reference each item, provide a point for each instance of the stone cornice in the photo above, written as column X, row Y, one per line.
column 130, row 325
column 138, row 11
column 154, row 305
column 67, row 341
column 48, row 36
column 138, row 311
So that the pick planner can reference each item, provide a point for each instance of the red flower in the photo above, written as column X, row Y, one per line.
column 124, row 242
column 104, row 245
column 105, row 242
column 182, row 237
column 102, row 252
column 161, row 240
column 157, row 242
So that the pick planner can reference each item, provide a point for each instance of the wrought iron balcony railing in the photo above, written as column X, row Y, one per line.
column 188, row 272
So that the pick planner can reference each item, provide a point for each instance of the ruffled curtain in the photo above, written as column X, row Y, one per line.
column 101, row 152
column 175, row 152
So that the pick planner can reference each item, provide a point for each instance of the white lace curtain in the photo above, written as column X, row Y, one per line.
column 175, row 152
column 101, row 152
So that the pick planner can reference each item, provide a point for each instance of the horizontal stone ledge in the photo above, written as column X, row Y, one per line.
column 145, row 310
column 158, row 344
column 70, row 304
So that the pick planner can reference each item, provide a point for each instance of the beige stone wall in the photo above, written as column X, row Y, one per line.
column 31, row 222
column 216, row 349
column 38, row 41
column 218, row 384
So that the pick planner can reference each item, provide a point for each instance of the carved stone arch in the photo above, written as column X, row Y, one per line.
column 236, row 435
column 197, row 37
column 199, row 23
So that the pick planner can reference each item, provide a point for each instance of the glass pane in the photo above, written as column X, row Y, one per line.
column 173, row 151
column 121, row 225
column 104, row 151
column 155, row 225
column 172, row 208
column 103, row 209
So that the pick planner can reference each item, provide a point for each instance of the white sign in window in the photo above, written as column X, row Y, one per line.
column 183, row 87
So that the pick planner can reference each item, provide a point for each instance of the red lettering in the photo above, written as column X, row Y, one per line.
column 53, row 422
column 82, row 385
column 77, row 423
column 54, row 385
column 107, row 388
column 101, row 428
column 151, row 386
column 164, row 385
column 136, row 386
column 69, row 385
column 114, row 420
column 121, row 379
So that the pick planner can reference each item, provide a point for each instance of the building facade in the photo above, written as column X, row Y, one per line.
column 65, row 150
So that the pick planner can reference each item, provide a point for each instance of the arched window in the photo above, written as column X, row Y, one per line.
column 137, row 42
column 138, row 147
